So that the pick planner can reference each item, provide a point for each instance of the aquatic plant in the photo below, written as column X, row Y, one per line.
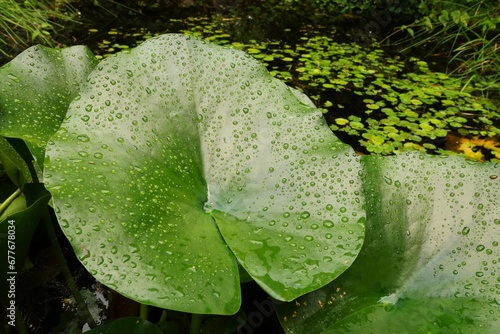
column 378, row 103
column 180, row 168
column 31, row 22
column 386, row 104
column 463, row 31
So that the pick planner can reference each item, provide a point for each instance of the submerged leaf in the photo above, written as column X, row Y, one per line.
column 178, row 149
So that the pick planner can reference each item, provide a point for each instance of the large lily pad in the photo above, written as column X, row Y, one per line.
column 430, row 262
column 35, row 90
column 178, row 149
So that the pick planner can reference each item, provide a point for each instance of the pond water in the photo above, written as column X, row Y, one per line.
column 375, row 99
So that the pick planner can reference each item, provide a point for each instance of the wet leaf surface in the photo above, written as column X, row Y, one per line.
column 14, row 165
column 35, row 90
column 178, row 149
column 430, row 258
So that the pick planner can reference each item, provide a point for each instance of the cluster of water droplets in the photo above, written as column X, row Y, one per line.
column 441, row 215
column 290, row 190
column 36, row 88
column 163, row 137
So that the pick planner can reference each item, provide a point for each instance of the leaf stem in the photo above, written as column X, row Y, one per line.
column 21, row 326
column 163, row 317
column 9, row 200
column 84, row 312
column 195, row 323
column 143, row 311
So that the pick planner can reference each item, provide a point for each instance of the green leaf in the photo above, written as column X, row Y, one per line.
column 341, row 121
column 444, row 18
column 130, row 325
column 17, row 230
column 464, row 18
column 15, row 203
column 455, row 15
column 15, row 166
column 427, row 22
column 35, row 90
column 430, row 258
column 197, row 158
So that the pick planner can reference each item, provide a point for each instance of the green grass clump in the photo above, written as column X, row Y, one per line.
column 466, row 33
column 29, row 22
